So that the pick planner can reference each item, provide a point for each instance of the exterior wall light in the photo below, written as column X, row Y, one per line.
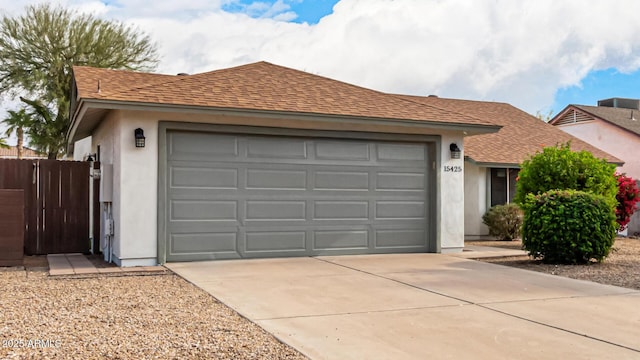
column 455, row 151
column 139, row 134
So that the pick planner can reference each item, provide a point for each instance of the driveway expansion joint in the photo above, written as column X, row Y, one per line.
column 467, row 302
column 364, row 312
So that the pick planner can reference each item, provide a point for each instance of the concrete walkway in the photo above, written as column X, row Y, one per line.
column 485, row 252
column 419, row 306
column 78, row 264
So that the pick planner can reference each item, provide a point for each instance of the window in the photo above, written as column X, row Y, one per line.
column 503, row 185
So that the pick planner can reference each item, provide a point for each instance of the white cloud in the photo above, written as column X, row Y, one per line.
column 519, row 52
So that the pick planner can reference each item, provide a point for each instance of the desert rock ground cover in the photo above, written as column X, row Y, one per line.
column 165, row 317
column 620, row 268
column 124, row 317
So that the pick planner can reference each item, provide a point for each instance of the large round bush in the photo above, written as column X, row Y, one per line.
column 560, row 168
column 568, row 227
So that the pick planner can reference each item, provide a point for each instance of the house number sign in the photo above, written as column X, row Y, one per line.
column 453, row 168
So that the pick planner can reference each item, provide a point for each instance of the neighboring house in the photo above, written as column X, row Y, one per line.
column 12, row 153
column 261, row 160
column 613, row 126
column 492, row 161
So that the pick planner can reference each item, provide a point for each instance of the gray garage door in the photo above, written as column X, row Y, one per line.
column 244, row 196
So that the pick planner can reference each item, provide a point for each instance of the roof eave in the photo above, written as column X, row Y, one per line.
column 491, row 164
column 84, row 104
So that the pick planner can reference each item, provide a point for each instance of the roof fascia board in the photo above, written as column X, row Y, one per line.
column 122, row 105
column 491, row 164
column 511, row 165
column 79, row 113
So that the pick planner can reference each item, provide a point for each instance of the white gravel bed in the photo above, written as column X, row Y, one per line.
column 126, row 317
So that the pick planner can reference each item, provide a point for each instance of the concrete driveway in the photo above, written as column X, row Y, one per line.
column 418, row 306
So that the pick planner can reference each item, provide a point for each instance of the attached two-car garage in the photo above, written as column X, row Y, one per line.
column 261, row 160
column 234, row 195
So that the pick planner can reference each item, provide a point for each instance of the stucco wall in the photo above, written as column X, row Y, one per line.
column 106, row 137
column 612, row 139
column 475, row 201
column 82, row 148
column 136, row 177
column 451, row 190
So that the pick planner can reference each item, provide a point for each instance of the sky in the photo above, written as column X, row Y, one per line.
column 538, row 55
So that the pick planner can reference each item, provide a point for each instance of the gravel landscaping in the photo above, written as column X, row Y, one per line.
column 123, row 317
column 165, row 317
column 620, row 268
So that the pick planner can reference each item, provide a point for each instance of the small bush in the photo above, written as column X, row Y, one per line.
column 504, row 221
column 627, row 198
column 560, row 168
column 568, row 227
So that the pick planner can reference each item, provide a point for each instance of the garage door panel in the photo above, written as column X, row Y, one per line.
column 400, row 181
column 341, row 180
column 394, row 238
column 194, row 243
column 341, row 151
column 205, row 178
column 261, row 241
column 401, row 152
column 264, row 196
column 283, row 148
column 400, row 210
column 341, row 210
column 276, row 179
column 276, row 210
column 335, row 239
column 203, row 210
column 202, row 145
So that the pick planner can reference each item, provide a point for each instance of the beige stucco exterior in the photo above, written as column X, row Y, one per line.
column 135, row 174
column 476, row 201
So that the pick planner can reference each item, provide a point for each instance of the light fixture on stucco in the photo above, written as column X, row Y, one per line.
column 139, row 134
column 455, row 151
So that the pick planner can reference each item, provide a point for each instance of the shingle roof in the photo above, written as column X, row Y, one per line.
column 618, row 116
column 521, row 135
column 12, row 153
column 259, row 86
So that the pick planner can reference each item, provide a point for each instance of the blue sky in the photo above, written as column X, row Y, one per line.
column 309, row 11
column 599, row 85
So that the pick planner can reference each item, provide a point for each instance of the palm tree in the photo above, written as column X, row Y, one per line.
column 16, row 122
column 3, row 144
column 47, row 129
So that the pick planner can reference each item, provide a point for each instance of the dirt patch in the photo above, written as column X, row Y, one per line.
column 620, row 268
column 35, row 262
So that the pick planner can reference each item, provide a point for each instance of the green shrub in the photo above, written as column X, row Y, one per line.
column 504, row 221
column 560, row 168
column 568, row 227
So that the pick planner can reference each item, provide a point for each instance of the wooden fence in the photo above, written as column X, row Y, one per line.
column 56, row 206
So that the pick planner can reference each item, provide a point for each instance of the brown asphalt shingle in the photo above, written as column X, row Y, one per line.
column 259, row 86
column 621, row 117
column 521, row 136
column 263, row 86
